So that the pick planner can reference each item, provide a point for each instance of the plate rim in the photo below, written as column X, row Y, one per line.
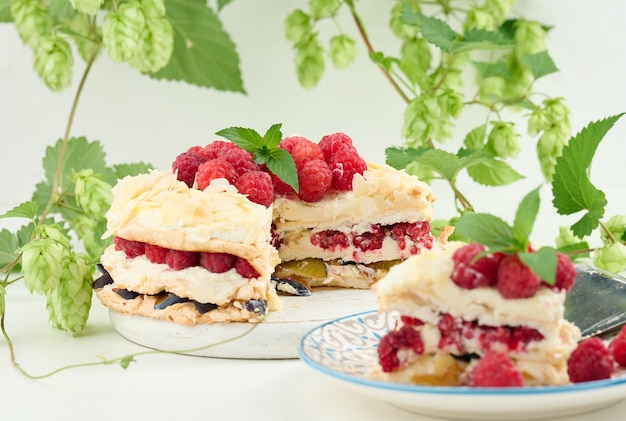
column 444, row 390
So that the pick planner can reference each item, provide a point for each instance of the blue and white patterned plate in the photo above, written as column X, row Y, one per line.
column 345, row 349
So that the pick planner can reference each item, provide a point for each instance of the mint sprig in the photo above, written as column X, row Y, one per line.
column 265, row 150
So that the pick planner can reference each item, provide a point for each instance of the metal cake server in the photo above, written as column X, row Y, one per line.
column 597, row 301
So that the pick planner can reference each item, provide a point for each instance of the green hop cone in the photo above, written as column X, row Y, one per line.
column 31, row 19
column 68, row 304
column 479, row 18
column 529, row 38
column 93, row 194
column 491, row 88
column 87, row 231
column 54, row 62
column 156, row 44
column 323, row 8
column 502, row 140
column 396, row 23
column 309, row 63
column 420, row 116
column 41, row 264
column 121, row 31
column 54, row 232
column 450, row 103
column 153, row 9
column 342, row 51
column 617, row 227
column 89, row 7
column 538, row 121
column 611, row 257
column 415, row 59
column 549, row 147
column 499, row 9
column 298, row 27
column 566, row 237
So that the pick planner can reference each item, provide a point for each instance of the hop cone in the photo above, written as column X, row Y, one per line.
column 297, row 26
column 396, row 23
column 611, row 257
column 41, row 264
column 68, row 305
column 616, row 226
column 121, row 31
column 502, row 140
column 309, row 62
column 342, row 51
column 89, row 7
column 31, row 20
column 153, row 9
column 155, row 47
column 323, row 8
column 54, row 62
column 549, row 147
column 93, row 195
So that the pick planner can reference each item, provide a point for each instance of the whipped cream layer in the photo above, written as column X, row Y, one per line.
column 382, row 195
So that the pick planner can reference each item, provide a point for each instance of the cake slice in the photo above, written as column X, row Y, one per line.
column 451, row 314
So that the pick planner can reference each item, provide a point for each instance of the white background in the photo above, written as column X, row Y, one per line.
column 140, row 119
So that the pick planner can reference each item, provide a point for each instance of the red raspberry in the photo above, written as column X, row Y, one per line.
column 241, row 160
column 515, row 279
column 314, row 178
column 280, row 187
column 344, row 164
column 411, row 321
column 217, row 262
column 370, row 240
column 215, row 168
column 330, row 240
column 565, row 273
column 495, row 369
column 404, row 338
column 617, row 348
column 301, row 149
column 333, row 143
column 178, row 259
column 217, row 148
column 257, row 185
column 186, row 165
column 245, row 269
column 130, row 248
column 591, row 360
column 470, row 272
column 156, row 254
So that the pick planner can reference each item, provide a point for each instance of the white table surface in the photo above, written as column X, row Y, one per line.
column 165, row 386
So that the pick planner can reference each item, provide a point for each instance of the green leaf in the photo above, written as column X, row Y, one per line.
column 125, row 362
column 475, row 138
column 542, row 262
column 496, row 69
column 273, row 136
column 283, row 165
column 486, row 229
column 8, row 247
column 572, row 190
column 399, row 158
column 436, row 31
column 247, row 139
column 525, row 216
column 61, row 10
column 481, row 39
column 222, row 3
column 5, row 11
column 132, row 169
column 540, row 64
column 493, row 172
column 23, row 210
column 204, row 53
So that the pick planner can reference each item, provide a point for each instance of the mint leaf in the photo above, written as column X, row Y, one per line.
column 525, row 216
column 8, row 247
column 23, row 210
column 283, row 165
column 571, row 188
column 493, row 172
column 273, row 136
column 496, row 69
column 540, row 64
column 436, row 31
column 542, row 262
column 247, row 139
column 5, row 11
column 488, row 230
column 204, row 53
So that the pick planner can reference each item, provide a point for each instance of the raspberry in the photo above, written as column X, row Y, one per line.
column 301, row 149
column 470, row 273
column 314, row 178
column 280, row 187
column 404, row 338
column 515, row 279
column 217, row 262
column 241, row 160
column 215, row 168
column 411, row 321
column 131, row 248
column 257, row 185
column 495, row 369
column 216, row 149
column 591, row 360
column 344, row 164
column 330, row 240
column 245, row 269
column 186, row 165
column 156, row 254
column 565, row 273
column 370, row 240
column 333, row 143
column 178, row 259
column 617, row 348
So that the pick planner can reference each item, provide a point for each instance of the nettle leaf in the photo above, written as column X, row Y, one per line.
column 543, row 262
column 486, row 229
column 540, row 64
column 493, row 172
column 481, row 39
column 204, row 53
column 5, row 11
column 496, row 69
column 8, row 247
column 525, row 215
column 571, row 188
column 28, row 210
column 436, row 31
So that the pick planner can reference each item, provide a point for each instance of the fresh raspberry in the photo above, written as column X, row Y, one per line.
column 617, row 348
column 257, row 185
column 344, row 164
column 217, row 262
column 330, row 240
column 245, row 269
column 314, row 178
column 186, row 165
column 411, row 321
column 156, row 254
column 215, row 168
column 130, row 248
column 280, row 187
column 565, row 273
column 333, row 143
column 515, row 279
column 591, row 360
column 405, row 338
column 301, row 149
column 495, row 369
column 470, row 272
column 217, row 148
column 178, row 259
column 241, row 160
column 370, row 240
